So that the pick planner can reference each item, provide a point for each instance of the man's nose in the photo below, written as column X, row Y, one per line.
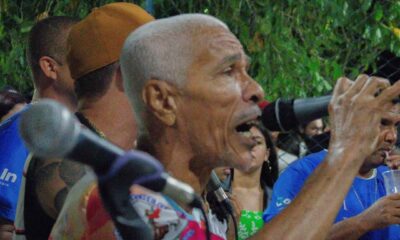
column 391, row 135
column 253, row 92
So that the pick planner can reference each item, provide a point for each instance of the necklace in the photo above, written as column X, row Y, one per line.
column 89, row 124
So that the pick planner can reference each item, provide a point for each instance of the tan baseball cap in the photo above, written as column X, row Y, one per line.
column 97, row 40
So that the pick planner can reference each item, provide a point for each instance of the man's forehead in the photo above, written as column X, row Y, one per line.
column 223, row 39
column 393, row 113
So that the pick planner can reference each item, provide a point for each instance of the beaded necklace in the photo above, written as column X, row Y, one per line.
column 89, row 124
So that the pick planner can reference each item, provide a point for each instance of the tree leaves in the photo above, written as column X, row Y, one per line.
column 298, row 48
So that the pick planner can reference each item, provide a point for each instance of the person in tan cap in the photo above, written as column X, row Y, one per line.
column 94, row 46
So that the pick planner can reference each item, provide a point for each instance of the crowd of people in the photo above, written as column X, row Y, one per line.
column 178, row 89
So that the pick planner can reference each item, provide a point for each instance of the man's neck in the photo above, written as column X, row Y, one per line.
column 112, row 119
column 178, row 160
column 68, row 101
column 366, row 172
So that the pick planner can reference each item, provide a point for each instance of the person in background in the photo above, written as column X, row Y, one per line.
column 312, row 128
column 11, row 102
column 51, row 79
column 295, row 143
column 94, row 48
column 256, row 182
column 366, row 213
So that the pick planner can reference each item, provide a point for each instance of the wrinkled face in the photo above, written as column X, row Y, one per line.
column 218, row 101
column 387, row 139
column 314, row 128
column 260, row 151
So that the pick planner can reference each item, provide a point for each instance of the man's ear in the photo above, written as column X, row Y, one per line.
column 49, row 67
column 159, row 96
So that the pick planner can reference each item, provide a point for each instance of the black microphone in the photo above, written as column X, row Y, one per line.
column 49, row 130
column 287, row 114
column 214, row 186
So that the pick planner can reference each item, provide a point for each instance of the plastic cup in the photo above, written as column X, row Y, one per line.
column 391, row 180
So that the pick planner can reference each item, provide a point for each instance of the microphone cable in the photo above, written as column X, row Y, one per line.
column 206, row 222
column 235, row 227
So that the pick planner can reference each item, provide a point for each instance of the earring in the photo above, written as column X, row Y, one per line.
column 268, row 165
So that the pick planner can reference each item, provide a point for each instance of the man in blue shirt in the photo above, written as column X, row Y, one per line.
column 366, row 213
column 11, row 167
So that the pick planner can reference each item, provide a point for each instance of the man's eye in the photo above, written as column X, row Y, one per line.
column 228, row 70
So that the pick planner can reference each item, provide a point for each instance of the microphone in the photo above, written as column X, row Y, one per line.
column 287, row 114
column 214, row 186
column 49, row 130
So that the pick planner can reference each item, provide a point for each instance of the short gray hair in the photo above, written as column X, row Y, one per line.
column 161, row 50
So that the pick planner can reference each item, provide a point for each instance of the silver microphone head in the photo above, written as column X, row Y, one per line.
column 49, row 129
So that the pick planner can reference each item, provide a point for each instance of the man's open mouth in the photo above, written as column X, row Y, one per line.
column 244, row 128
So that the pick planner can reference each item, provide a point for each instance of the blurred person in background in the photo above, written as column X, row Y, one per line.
column 295, row 143
column 94, row 48
column 51, row 79
column 94, row 53
column 312, row 128
column 11, row 102
column 257, row 182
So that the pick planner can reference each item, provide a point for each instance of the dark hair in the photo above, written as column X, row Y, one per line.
column 270, row 170
column 48, row 37
column 8, row 99
column 95, row 83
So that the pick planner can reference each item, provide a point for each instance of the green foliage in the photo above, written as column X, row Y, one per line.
column 298, row 48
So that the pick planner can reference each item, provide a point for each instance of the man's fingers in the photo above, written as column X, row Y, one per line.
column 395, row 196
column 341, row 86
column 374, row 84
column 389, row 94
column 356, row 87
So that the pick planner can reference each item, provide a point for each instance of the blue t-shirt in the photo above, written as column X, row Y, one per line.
column 362, row 194
column 13, row 154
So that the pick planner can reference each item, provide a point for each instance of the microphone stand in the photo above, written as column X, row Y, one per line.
column 114, row 191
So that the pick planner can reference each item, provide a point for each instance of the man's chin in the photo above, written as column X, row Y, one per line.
column 377, row 160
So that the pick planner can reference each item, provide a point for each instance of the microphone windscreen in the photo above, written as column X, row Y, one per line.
column 309, row 109
column 279, row 116
column 49, row 129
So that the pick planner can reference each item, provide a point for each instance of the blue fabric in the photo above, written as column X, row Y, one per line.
column 13, row 154
column 362, row 194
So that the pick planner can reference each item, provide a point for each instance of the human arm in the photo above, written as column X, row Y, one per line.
column 53, row 179
column 353, row 108
column 384, row 212
column 6, row 229
column 17, row 107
